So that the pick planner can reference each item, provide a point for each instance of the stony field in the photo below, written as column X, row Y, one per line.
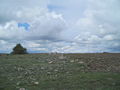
column 60, row 72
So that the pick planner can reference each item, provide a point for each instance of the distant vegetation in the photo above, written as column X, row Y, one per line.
column 105, row 52
column 19, row 49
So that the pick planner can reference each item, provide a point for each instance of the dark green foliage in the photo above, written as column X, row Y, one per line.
column 18, row 49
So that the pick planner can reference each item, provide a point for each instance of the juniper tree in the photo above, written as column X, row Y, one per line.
column 19, row 49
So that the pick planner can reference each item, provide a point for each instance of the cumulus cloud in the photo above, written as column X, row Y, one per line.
column 99, row 26
column 8, row 8
column 61, row 26
column 43, row 25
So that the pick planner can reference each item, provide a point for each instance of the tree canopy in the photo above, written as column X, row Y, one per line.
column 19, row 49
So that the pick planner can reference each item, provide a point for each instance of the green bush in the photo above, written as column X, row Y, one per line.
column 18, row 49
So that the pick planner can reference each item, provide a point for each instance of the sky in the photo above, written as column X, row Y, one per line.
column 66, row 26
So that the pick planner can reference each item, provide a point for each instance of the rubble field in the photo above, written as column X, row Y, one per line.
column 60, row 71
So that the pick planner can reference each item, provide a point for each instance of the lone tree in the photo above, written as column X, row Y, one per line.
column 19, row 49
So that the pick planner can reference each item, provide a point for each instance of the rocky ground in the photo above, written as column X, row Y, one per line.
column 60, row 72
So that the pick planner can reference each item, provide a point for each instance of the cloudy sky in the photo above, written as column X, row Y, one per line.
column 67, row 26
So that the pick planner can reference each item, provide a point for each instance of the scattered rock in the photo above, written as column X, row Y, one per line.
column 50, row 62
column 56, row 70
column 22, row 89
column 81, row 62
column 72, row 61
column 36, row 83
column 42, row 68
column 48, row 72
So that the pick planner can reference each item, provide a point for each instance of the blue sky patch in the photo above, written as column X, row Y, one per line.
column 24, row 25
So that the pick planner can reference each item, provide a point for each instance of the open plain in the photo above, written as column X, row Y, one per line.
column 60, row 72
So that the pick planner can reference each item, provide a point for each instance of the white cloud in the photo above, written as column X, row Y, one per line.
column 43, row 25
column 69, row 26
column 109, row 37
